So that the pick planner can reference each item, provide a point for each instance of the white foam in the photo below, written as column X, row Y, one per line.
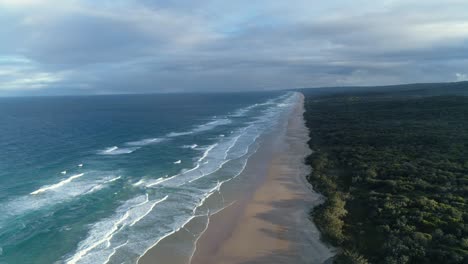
column 207, row 195
column 159, row 181
column 118, row 151
column 57, row 193
column 243, row 111
column 113, row 179
column 114, row 250
column 108, row 150
column 201, row 128
column 177, row 134
column 185, row 172
column 149, row 211
column 102, row 184
column 205, row 174
column 140, row 182
column 193, row 146
column 145, row 142
column 106, row 237
column 189, row 170
column 217, row 160
column 236, row 147
column 164, row 236
column 212, row 124
column 97, row 187
column 96, row 248
column 233, row 143
column 207, row 151
column 57, row 185
column 141, row 203
column 242, row 143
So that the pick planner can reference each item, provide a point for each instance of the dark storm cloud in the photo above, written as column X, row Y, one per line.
column 52, row 47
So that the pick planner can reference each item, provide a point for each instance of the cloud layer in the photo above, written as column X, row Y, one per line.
column 135, row 46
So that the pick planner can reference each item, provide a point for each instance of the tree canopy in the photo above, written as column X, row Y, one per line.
column 394, row 170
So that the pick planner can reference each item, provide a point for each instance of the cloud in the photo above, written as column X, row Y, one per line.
column 20, row 3
column 22, row 74
column 33, row 81
column 85, row 46
column 461, row 77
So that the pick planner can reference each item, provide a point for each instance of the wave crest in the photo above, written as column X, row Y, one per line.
column 57, row 185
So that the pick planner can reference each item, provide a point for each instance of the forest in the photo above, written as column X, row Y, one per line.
column 393, row 167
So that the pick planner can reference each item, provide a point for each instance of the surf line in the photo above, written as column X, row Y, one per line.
column 57, row 185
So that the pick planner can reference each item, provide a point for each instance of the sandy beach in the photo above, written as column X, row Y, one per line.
column 268, row 221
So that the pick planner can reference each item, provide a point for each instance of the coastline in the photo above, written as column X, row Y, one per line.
column 268, row 219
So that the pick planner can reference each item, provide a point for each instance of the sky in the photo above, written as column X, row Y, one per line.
column 59, row 47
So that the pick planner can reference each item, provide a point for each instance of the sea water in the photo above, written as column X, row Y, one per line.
column 101, row 179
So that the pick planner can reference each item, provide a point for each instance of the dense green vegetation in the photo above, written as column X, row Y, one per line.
column 395, row 171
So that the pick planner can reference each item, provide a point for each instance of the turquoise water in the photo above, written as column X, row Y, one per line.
column 101, row 179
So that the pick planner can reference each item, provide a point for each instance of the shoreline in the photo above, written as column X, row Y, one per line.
column 272, row 226
column 268, row 219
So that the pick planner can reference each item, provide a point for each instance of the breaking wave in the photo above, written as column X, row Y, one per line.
column 57, row 185
column 117, row 151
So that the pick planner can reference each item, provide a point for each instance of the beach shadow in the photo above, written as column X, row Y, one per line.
column 290, row 220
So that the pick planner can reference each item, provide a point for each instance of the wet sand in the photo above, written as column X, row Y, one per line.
column 268, row 221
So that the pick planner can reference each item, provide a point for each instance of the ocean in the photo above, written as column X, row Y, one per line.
column 101, row 179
